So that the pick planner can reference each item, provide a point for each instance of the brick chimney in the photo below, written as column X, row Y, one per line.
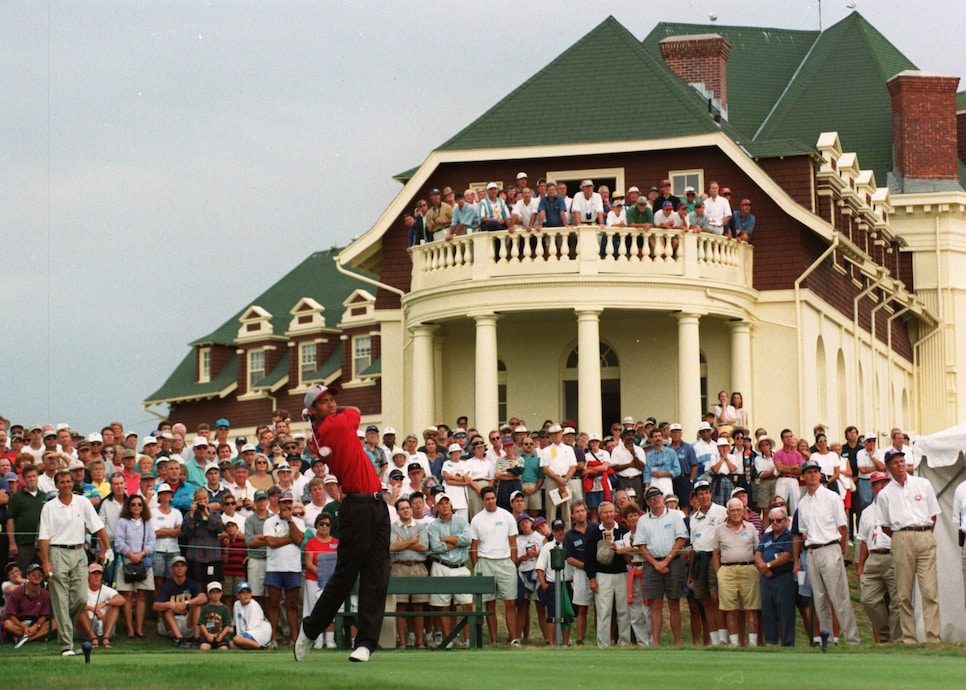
column 924, row 132
column 702, row 61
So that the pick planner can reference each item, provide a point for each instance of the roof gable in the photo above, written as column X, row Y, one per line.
column 841, row 86
column 655, row 103
column 316, row 277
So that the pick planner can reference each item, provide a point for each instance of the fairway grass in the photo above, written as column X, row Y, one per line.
column 530, row 668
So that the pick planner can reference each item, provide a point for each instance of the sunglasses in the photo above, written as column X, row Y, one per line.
column 294, row 514
column 228, row 503
column 776, row 519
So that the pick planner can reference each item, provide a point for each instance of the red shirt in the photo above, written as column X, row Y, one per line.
column 313, row 548
column 335, row 441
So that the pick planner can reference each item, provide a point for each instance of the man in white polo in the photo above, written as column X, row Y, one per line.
column 64, row 524
column 822, row 524
column 559, row 463
column 493, row 551
column 907, row 513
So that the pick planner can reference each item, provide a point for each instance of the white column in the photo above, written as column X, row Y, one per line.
column 689, row 374
column 487, row 386
column 423, row 400
column 588, row 370
column 741, row 363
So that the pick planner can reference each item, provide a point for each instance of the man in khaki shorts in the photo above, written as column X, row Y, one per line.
column 739, row 586
column 408, row 545
column 449, row 541
column 493, row 552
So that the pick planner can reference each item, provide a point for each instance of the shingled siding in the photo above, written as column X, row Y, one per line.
column 839, row 291
column 240, row 414
column 795, row 175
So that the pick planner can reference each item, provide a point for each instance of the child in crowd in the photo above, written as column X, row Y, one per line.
column 234, row 559
column 214, row 623
column 252, row 629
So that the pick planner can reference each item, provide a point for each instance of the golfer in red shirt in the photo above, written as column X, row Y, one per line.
column 363, row 550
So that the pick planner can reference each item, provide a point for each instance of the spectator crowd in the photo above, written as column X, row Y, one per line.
column 448, row 214
column 226, row 542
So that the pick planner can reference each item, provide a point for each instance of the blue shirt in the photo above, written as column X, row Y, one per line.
column 686, row 457
column 554, row 211
column 743, row 224
column 467, row 215
column 771, row 547
column 456, row 527
column 664, row 460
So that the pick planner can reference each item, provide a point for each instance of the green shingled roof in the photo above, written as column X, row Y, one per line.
column 374, row 369
column 841, row 87
column 784, row 89
column 655, row 102
column 761, row 63
column 182, row 383
column 790, row 86
column 961, row 100
column 316, row 277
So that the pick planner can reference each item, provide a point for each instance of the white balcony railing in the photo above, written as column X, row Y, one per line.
column 582, row 251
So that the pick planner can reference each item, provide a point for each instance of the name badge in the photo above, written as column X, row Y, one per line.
column 742, row 534
column 579, row 542
column 668, row 526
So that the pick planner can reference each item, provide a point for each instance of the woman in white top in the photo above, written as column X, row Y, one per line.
column 410, row 445
column 828, row 461
column 741, row 414
column 166, row 521
column 481, row 473
column 455, row 479
column 725, row 416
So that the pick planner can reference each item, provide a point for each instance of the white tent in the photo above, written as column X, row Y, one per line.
column 939, row 458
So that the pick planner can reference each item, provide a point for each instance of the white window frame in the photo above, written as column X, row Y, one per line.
column 252, row 355
column 361, row 362
column 204, row 365
column 304, row 348
column 679, row 180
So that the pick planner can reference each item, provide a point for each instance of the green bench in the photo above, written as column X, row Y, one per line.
column 477, row 585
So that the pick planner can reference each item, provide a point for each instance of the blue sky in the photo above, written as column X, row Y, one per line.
column 165, row 162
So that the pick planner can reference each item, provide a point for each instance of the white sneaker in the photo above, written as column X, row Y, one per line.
column 68, row 652
column 330, row 640
column 428, row 639
column 438, row 639
column 21, row 642
column 272, row 645
column 319, row 643
column 360, row 654
column 411, row 640
column 302, row 645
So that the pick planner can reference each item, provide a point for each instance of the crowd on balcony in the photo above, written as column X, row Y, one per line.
column 448, row 214
column 209, row 532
